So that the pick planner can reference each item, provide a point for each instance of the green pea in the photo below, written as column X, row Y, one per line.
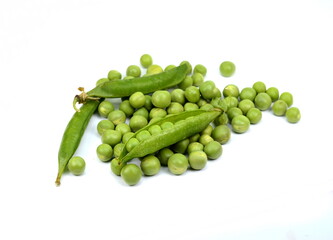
column 240, row 124
column 216, row 93
column 263, row 101
column 101, row 81
column 287, row 97
column 117, row 116
column 248, row 93
column 154, row 129
column 245, row 105
column 187, row 82
column 279, row 108
column 169, row 67
column 133, row 70
column 128, row 77
column 231, row 102
column 154, row 69
column 178, row 95
column 202, row 102
column 116, row 166
column 166, row 125
column 143, row 135
column 198, row 79
column 111, row 137
column 207, row 107
column 207, row 89
column 161, row 99
column 190, row 106
column 273, row 92
column 104, row 125
column 194, row 138
column 131, row 143
column 189, row 66
column 199, row 68
column 221, row 134
column 104, row 108
column 254, row 115
column 197, row 160
column 118, row 149
column 157, row 112
column 104, row 152
column 181, row 146
column 123, row 128
column 234, row 111
column 227, row 68
column 131, row 174
column 137, row 100
column 208, row 130
column 213, row 150
column 137, row 122
column 178, row 164
column 127, row 136
column 150, row 165
column 293, row 115
column 114, row 75
column 192, row 94
column 205, row 139
column 76, row 165
column 148, row 104
column 259, row 87
column 174, row 108
column 126, row 107
column 231, row 90
column 194, row 146
column 146, row 60
column 221, row 120
column 142, row 112
column 163, row 155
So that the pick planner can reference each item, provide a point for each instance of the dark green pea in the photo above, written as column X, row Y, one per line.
column 205, row 139
column 101, row 81
column 174, row 108
column 192, row 94
column 148, row 104
column 273, row 92
column 190, row 106
column 189, row 66
column 178, row 164
column 161, row 99
column 157, row 112
column 137, row 100
column 194, row 146
column 187, row 82
column 213, row 150
column 104, row 125
column 279, row 108
column 245, row 105
column 227, row 68
column 293, row 115
column 230, row 90
column 126, row 107
column 178, row 95
column 111, row 137
column 248, row 93
column 137, row 122
column 198, row 79
column 143, row 135
column 123, row 128
column 221, row 120
column 133, row 70
column 166, row 125
column 150, row 165
column 76, row 165
column 104, row 108
column 146, row 60
column 116, row 166
column 164, row 155
column 199, row 68
column 104, row 152
column 114, row 75
column 263, row 101
column 287, row 97
column 154, row 129
column 117, row 116
column 142, row 112
column 181, row 146
column 221, row 134
column 234, row 111
column 131, row 143
column 131, row 174
column 240, row 124
column 207, row 89
column 118, row 149
column 254, row 115
column 259, row 87
column 197, row 160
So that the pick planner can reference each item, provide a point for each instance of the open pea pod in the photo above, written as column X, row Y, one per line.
column 185, row 124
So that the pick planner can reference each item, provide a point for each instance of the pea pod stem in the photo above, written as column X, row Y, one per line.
column 82, row 98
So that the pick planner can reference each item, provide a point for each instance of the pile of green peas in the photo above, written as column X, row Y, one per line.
column 138, row 110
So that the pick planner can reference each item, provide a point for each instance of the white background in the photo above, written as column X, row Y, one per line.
column 274, row 182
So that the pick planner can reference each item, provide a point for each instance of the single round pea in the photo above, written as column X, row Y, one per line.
column 190, row 106
column 117, row 116
column 133, row 70
column 201, row 102
column 142, row 112
column 103, row 125
column 221, row 134
column 104, row 108
column 150, row 165
column 101, row 81
column 177, row 164
column 127, row 136
column 197, row 160
column 234, row 111
column 192, row 94
column 259, row 87
column 123, row 128
column 263, row 101
column 213, row 150
column 273, row 92
column 189, row 66
column 199, row 68
column 174, row 108
column 131, row 174
column 137, row 122
column 143, row 135
column 207, row 89
column 194, row 146
column 178, row 95
column 161, row 99
column 116, row 166
column 118, row 149
column 245, row 105
column 169, row 67
column 293, row 115
column 146, row 60
column 227, row 68
column 187, row 82
column 163, row 155
column 154, row 129
column 114, row 75
column 198, row 79
column 207, row 107
column 248, row 93
column 166, row 125
column 111, row 137
column 287, row 97
column 126, row 107
column 104, row 152
column 148, row 104
column 230, row 90
column 76, row 165
column 131, row 143
column 279, row 108
column 254, row 115
column 240, row 124
column 181, row 146
column 205, row 139
column 157, row 112
column 154, row 69
column 137, row 100
column 221, row 120
column 230, row 102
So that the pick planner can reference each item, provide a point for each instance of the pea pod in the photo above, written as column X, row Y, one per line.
column 185, row 125
column 126, row 87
